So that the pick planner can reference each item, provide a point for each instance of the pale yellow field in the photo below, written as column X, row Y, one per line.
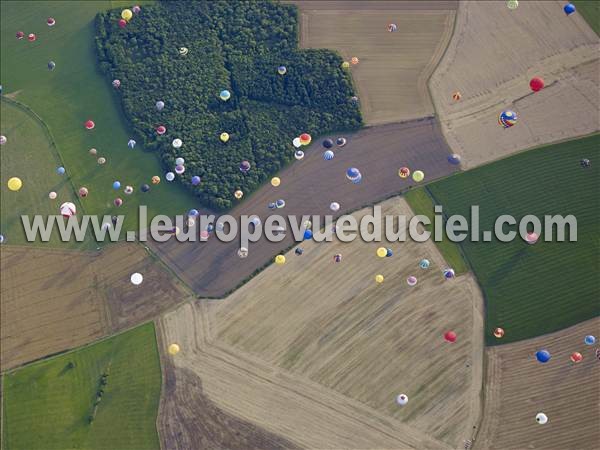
column 391, row 77
column 316, row 351
column 493, row 54
column 518, row 387
column 53, row 300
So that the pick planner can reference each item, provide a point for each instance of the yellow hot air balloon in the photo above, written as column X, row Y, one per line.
column 15, row 184
column 275, row 181
column 173, row 349
column 126, row 14
column 345, row 65
column 238, row 194
column 382, row 252
column 280, row 259
column 224, row 137
column 418, row 176
column 379, row 278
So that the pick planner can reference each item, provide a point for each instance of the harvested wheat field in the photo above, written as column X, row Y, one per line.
column 55, row 300
column 329, row 349
column 492, row 57
column 518, row 387
column 391, row 76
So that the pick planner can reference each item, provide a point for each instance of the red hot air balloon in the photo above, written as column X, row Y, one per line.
column 89, row 124
column 536, row 84
column 122, row 23
column 450, row 336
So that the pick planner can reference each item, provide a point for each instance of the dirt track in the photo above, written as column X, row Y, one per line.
column 213, row 268
column 391, row 78
column 518, row 387
column 491, row 58
column 55, row 300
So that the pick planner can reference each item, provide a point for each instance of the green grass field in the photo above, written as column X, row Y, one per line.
column 533, row 289
column 590, row 10
column 74, row 92
column 421, row 203
column 47, row 404
column 29, row 155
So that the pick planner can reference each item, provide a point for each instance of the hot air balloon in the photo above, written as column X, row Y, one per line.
column 225, row 95
column 340, row 142
column 2, row 239
column 242, row 252
column 449, row 273
column 280, row 259
column 404, row 172
column 576, row 357
column 126, row 14
column 60, row 170
column 389, row 253
column 585, row 163
column 328, row 155
column 31, row 37
column 131, row 143
column 116, row 84
column 117, row 202
column 136, row 9
column 280, row 203
column 128, row 190
column 543, row 356
column 354, row 60
column 245, row 166
column 507, row 118
column 51, row 65
column 155, row 179
column 512, row 4
column 296, row 142
column 183, row 51
column 160, row 105
column 379, row 278
column 392, row 27
column 536, row 84
column 532, row 238
column 173, row 349
column 93, row 152
column 116, row 185
column 424, row 264
column 122, row 23
column 161, row 129
column 541, row 418
column 498, row 333
column 589, row 340
column 402, row 399
column 275, row 181
column 68, row 209
column 411, row 280
column 418, row 176
column 3, row 140
column 83, row 192
column 298, row 154
column 238, row 194
column 101, row 160
column 20, row 35
column 569, row 9
column 450, row 336
column 454, row 159
column 299, row 251
column 334, row 206
column 337, row 258
column 345, row 65
column 328, row 143
column 382, row 252
column 179, row 170
column 52, row 195
column 281, row 70
column 179, row 161
column 145, row 188
column 352, row 173
column 307, row 235
column 196, row 180
column 177, row 143
column 456, row 96
column 89, row 124
column 224, row 137
column 305, row 138
column 14, row 184
column 169, row 176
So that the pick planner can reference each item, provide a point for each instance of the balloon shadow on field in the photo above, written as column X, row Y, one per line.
column 506, row 268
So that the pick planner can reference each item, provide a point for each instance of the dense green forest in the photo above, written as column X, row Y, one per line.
column 237, row 46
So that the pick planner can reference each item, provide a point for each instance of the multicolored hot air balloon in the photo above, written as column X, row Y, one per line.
column 225, row 95
column 305, row 138
column 392, row 27
column 116, row 84
column 281, row 70
column 298, row 154
column 404, row 172
column 507, row 118
column 328, row 155
column 31, row 37
column 68, row 209
column 20, row 35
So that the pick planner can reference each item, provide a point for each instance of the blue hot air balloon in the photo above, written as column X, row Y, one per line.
column 225, row 95
column 196, row 180
column 507, row 118
column 60, row 170
column 569, row 9
column 308, row 235
column 160, row 105
column 117, row 185
column 543, row 356
column 352, row 173
column 328, row 143
column 424, row 264
column 328, row 155
column 193, row 213
column 589, row 340
column 454, row 159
